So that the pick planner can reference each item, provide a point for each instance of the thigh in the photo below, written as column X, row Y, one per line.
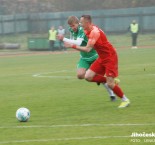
column 83, row 64
column 98, row 68
column 81, row 71
column 89, row 74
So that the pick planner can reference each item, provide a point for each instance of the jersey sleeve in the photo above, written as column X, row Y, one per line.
column 79, row 35
column 93, row 37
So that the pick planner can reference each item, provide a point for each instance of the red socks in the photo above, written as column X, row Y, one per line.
column 117, row 90
column 99, row 79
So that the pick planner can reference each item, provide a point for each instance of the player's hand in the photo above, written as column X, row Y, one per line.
column 68, row 45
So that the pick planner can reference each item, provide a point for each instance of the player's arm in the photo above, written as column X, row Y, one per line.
column 86, row 48
column 93, row 37
column 78, row 41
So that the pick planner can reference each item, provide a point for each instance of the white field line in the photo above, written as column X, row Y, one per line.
column 44, row 75
column 74, row 125
column 52, row 74
column 55, row 76
column 62, row 139
column 71, row 138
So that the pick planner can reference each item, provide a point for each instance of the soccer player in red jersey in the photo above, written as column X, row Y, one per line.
column 105, row 68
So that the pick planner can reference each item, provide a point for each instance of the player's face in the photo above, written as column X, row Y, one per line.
column 74, row 26
column 84, row 23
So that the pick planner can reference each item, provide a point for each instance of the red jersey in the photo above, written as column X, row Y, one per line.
column 101, row 44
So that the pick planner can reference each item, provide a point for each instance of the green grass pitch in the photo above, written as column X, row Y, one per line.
column 68, row 111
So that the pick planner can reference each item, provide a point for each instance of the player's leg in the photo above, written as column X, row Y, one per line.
column 95, row 73
column 83, row 70
column 111, row 73
column 81, row 73
column 92, row 76
column 82, row 66
column 110, row 92
column 118, row 91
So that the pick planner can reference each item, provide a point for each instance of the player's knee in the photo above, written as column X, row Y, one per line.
column 81, row 73
column 111, row 85
column 80, row 76
column 89, row 75
column 110, row 82
column 88, row 78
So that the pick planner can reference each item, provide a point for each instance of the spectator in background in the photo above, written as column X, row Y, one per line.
column 52, row 38
column 134, row 29
column 61, row 33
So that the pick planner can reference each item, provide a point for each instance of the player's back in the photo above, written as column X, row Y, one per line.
column 103, row 47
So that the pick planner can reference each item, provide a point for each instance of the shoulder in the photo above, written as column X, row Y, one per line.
column 95, row 31
column 81, row 33
column 80, row 29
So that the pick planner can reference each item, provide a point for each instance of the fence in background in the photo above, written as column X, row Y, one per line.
column 111, row 21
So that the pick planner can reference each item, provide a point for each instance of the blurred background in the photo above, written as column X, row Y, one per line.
column 31, row 6
column 22, row 21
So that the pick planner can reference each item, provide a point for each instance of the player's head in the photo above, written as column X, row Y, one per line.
column 73, row 22
column 85, row 21
column 134, row 21
column 60, row 27
column 52, row 27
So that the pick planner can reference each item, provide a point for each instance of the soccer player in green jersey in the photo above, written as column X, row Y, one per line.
column 78, row 37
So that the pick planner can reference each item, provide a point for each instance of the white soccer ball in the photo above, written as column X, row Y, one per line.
column 23, row 114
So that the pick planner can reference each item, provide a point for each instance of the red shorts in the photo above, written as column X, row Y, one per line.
column 106, row 67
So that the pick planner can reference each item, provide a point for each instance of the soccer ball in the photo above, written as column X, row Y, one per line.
column 23, row 114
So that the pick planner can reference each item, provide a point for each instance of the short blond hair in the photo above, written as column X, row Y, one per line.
column 72, row 19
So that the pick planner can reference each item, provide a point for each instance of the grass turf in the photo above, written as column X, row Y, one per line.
column 67, row 111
